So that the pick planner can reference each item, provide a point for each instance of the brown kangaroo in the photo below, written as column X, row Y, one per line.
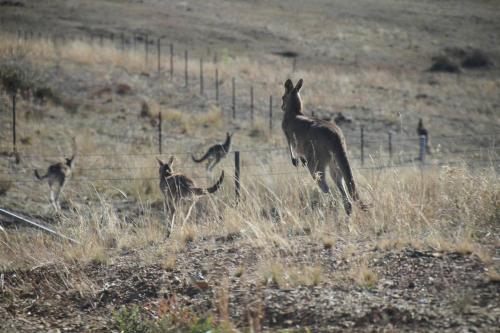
column 318, row 144
column 176, row 186
column 57, row 175
column 215, row 153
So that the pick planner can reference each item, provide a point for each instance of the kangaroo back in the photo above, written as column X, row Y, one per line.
column 211, row 189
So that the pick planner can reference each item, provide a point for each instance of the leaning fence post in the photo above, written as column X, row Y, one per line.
column 390, row 144
column 201, row 76
column 421, row 155
column 122, row 38
column 158, row 49
column 159, row 132
column 251, row 104
column 237, row 174
column 362, row 145
column 217, row 85
column 234, row 97
column 270, row 113
column 14, row 123
column 186, row 68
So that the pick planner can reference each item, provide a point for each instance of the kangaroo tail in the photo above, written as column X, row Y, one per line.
column 211, row 189
column 345, row 168
column 201, row 159
column 37, row 175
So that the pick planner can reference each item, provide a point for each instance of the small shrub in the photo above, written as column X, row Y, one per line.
column 476, row 59
column 17, row 73
column 5, row 185
column 123, row 89
column 129, row 320
column 445, row 65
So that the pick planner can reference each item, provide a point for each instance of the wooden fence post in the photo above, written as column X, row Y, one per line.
column 158, row 49
column 237, row 174
column 186, row 68
column 159, row 132
column 201, row 76
column 422, row 144
column 251, row 104
column 234, row 97
column 270, row 113
column 217, row 85
column 390, row 144
column 146, row 50
column 171, row 61
column 362, row 145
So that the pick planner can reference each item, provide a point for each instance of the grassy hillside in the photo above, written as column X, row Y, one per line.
column 423, row 257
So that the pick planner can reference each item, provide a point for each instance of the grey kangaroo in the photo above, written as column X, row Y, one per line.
column 57, row 175
column 215, row 153
column 422, row 131
column 176, row 186
column 318, row 144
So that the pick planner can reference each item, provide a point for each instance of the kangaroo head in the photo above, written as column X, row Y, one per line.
column 166, row 168
column 291, row 97
column 69, row 161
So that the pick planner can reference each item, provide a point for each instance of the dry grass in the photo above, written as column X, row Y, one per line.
column 288, row 276
column 363, row 276
column 425, row 212
column 446, row 209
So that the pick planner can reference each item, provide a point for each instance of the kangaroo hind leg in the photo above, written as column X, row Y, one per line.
column 317, row 171
column 337, row 178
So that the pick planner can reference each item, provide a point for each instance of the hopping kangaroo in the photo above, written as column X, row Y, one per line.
column 215, row 153
column 176, row 186
column 422, row 131
column 57, row 175
column 317, row 143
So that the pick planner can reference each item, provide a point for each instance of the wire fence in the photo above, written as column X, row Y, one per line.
column 410, row 148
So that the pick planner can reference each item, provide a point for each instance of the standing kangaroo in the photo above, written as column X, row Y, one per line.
column 318, row 144
column 422, row 131
column 176, row 186
column 215, row 153
column 57, row 175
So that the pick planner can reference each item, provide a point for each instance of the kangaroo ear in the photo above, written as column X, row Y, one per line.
column 171, row 160
column 160, row 161
column 299, row 85
column 288, row 85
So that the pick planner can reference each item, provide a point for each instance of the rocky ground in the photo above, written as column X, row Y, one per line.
column 415, row 291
